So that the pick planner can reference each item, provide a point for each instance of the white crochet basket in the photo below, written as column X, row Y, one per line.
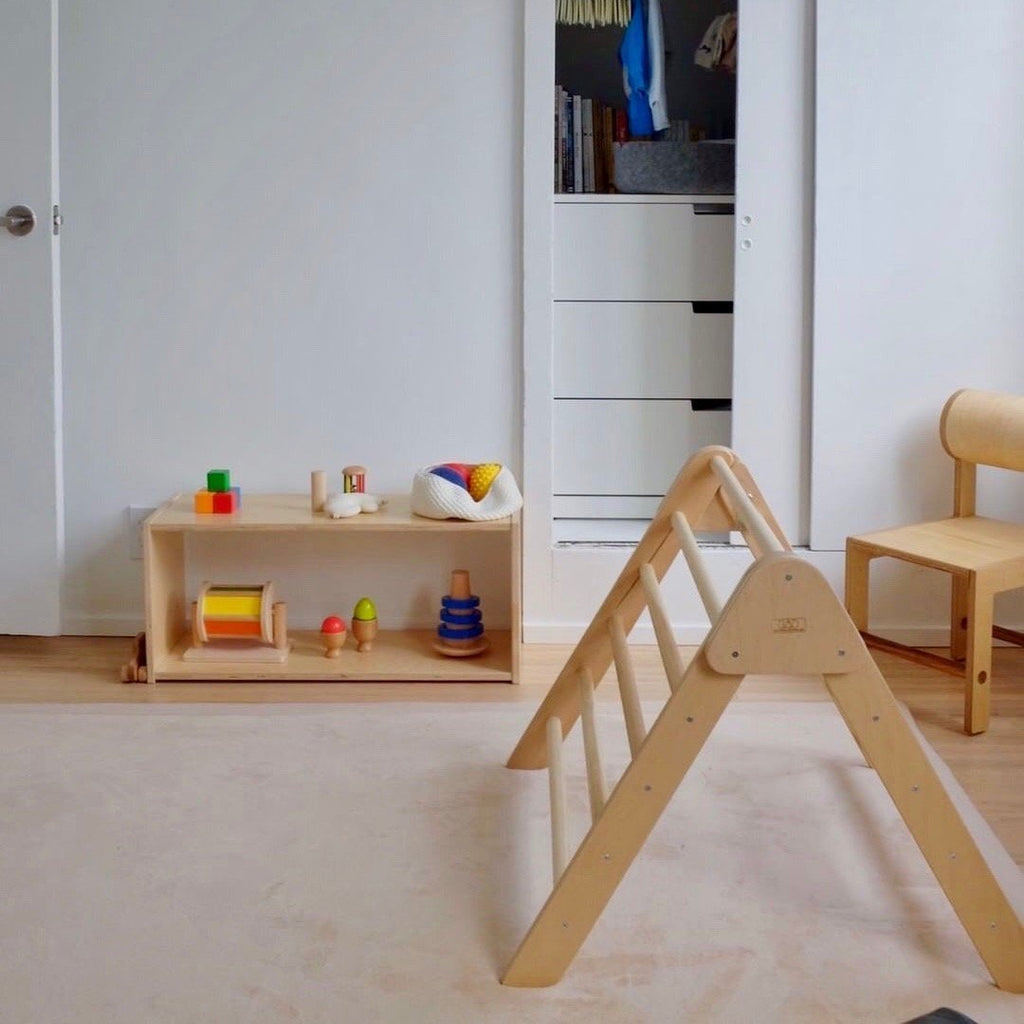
column 437, row 498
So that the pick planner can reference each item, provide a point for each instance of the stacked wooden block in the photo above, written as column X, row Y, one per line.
column 219, row 497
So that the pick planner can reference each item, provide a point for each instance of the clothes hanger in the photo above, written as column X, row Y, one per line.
column 593, row 13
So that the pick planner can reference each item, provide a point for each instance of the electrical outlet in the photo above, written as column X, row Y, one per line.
column 136, row 516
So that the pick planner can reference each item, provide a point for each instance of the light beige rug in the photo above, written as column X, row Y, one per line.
column 378, row 863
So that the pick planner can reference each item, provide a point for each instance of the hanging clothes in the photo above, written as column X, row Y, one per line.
column 718, row 48
column 656, row 50
column 642, row 54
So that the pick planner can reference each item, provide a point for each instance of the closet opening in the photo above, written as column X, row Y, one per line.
column 643, row 175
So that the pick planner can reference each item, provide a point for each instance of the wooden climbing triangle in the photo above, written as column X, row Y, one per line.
column 782, row 619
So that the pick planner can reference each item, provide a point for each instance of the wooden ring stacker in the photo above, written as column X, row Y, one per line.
column 462, row 596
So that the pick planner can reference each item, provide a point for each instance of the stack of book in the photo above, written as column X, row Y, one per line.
column 584, row 132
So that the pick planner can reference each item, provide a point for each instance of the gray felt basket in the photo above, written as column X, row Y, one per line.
column 668, row 167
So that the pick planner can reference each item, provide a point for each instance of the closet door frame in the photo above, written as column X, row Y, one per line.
column 771, row 343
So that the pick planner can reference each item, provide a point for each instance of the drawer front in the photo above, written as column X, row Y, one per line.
column 628, row 447
column 605, row 506
column 644, row 252
column 641, row 350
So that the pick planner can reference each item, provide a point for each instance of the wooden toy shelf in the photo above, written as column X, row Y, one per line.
column 398, row 655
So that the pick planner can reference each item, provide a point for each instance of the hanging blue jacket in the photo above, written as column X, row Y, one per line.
column 636, row 71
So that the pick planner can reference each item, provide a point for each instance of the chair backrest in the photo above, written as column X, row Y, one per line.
column 983, row 428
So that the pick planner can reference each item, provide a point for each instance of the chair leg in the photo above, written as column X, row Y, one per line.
column 958, row 618
column 858, row 563
column 978, row 678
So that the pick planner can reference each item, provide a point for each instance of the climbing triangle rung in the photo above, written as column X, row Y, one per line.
column 556, row 789
column 596, row 784
column 752, row 524
column 670, row 656
column 698, row 567
column 628, row 693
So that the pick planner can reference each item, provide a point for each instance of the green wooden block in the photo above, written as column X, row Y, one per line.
column 218, row 480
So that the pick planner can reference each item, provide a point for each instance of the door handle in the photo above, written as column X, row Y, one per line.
column 19, row 220
column 714, row 209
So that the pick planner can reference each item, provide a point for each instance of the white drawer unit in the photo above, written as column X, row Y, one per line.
column 642, row 349
column 654, row 252
column 628, row 447
column 605, row 506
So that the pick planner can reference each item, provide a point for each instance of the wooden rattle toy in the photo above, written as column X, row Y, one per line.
column 333, row 636
column 233, row 622
column 354, row 479
column 461, row 631
column 364, row 624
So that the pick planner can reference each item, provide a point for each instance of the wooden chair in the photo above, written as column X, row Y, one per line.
column 984, row 556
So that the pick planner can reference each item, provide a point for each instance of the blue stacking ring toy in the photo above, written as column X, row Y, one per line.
column 456, row 603
column 460, row 634
column 461, row 618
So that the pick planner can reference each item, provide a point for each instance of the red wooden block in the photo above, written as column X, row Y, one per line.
column 225, row 501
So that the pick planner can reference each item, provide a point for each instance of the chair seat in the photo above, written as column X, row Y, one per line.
column 960, row 544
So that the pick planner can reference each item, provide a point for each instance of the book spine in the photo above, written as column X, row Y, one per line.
column 621, row 126
column 609, row 149
column 559, row 106
column 577, row 143
column 600, row 169
column 570, row 144
column 588, row 145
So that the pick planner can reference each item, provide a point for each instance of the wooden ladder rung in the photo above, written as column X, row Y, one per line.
column 756, row 531
column 636, row 731
column 596, row 785
column 670, row 656
column 556, row 788
column 698, row 567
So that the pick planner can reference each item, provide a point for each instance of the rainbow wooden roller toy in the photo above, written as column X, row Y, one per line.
column 238, row 622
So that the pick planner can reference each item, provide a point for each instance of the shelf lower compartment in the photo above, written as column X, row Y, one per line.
column 397, row 656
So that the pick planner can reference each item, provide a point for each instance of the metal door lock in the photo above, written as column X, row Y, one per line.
column 19, row 220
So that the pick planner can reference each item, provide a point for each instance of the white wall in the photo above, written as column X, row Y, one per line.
column 919, row 261
column 292, row 242
column 919, row 267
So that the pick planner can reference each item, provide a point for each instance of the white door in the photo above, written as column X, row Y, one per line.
column 31, row 514
column 919, row 261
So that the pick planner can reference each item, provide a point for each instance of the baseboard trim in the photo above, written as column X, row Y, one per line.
column 102, row 625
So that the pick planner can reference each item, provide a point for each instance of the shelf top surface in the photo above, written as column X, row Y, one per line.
column 647, row 198
column 291, row 512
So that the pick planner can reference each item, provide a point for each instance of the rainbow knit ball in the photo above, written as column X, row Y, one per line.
column 453, row 476
column 481, row 478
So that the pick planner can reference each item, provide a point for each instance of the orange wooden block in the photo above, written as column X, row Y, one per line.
column 204, row 502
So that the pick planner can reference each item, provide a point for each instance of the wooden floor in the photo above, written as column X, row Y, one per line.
column 990, row 766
